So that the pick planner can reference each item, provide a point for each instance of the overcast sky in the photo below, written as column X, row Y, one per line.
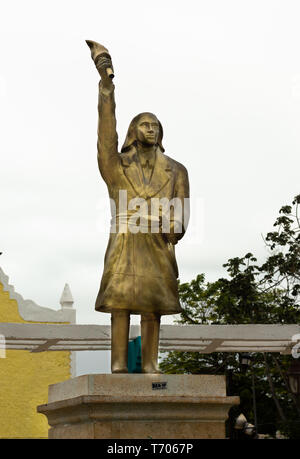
column 223, row 77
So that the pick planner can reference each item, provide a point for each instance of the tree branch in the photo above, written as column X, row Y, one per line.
column 294, row 398
column 276, row 401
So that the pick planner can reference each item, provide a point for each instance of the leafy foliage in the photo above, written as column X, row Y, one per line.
column 267, row 294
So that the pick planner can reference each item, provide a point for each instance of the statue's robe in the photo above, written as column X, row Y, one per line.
column 140, row 269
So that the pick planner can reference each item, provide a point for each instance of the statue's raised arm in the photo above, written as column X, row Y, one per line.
column 108, row 157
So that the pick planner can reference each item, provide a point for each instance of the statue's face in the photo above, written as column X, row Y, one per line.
column 147, row 130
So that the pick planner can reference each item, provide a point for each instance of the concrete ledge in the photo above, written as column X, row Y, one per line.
column 127, row 406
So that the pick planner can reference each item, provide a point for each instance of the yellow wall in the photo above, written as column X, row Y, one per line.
column 24, row 381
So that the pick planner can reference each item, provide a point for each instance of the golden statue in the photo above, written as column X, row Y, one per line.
column 140, row 269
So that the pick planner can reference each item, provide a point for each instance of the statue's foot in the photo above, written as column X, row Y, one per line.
column 119, row 370
column 152, row 370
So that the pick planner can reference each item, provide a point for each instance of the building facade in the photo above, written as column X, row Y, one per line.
column 24, row 375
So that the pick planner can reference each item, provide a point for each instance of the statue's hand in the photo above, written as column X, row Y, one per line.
column 102, row 64
column 102, row 60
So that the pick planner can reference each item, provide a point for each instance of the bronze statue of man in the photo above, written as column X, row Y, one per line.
column 140, row 269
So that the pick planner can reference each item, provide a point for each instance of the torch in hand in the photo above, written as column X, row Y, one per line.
column 99, row 55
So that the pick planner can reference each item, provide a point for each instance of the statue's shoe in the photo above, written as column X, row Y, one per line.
column 152, row 370
column 119, row 370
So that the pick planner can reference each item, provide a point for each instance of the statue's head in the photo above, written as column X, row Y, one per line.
column 146, row 129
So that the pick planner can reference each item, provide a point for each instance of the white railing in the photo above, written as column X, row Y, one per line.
column 199, row 338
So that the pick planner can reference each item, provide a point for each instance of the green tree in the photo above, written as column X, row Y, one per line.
column 252, row 293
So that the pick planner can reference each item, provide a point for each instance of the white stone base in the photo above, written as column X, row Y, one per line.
column 138, row 406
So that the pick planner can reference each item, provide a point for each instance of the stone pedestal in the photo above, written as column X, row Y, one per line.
column 138, row 406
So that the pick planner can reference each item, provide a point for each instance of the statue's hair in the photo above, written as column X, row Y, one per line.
column 131, row 133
